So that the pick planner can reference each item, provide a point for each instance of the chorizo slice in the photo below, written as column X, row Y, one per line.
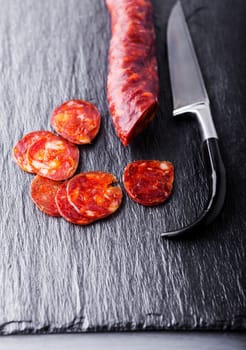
column 95, row 195
column 133, row 83
column 22, row 146
column 66, row 210
column 54, row 158
column 77, row 121
column 43, row 193
column 149, row 182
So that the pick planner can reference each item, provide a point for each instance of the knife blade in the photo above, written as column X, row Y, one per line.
column 186, row 78
column 187, row 84
column 190, row 96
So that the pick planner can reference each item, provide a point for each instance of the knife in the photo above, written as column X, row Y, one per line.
column 190, row 96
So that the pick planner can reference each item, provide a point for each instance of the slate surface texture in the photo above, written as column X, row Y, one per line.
column 118, row 274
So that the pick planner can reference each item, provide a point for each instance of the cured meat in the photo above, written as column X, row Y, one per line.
column 133, row 84
column 43, row 192
column 149, row 182
column 54, row 158
column 77, row 121
column 66, row 210
column 22, row 146
column 95, row 195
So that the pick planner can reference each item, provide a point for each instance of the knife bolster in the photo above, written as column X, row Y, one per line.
column 205, row 120
column 202, row 112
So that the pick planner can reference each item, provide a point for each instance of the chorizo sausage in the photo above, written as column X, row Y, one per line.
column 95, row 195
column 149, row 182
column 132, row 85
column 21, row 148
column 43, row 193
column 77, row 121
column 54, row 158
column 66, row 210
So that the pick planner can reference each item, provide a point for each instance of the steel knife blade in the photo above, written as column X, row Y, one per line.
column 188, row 87
column 190, row 96
column 186, row 78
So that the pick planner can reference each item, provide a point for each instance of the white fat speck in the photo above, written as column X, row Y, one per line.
column 90, row 213
column 163, row 166
column 53, row 163
column 55, row 145
column 44, row 171
column 39, row 165
column 84, row 139
column 70, row 103
column 82, row 117
column 113, row 206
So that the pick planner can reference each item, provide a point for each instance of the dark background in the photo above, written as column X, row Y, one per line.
column 118, row 274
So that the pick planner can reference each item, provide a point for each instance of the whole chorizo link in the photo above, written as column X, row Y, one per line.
column 133, row 84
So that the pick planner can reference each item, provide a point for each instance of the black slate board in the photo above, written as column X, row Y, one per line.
column 118, row 274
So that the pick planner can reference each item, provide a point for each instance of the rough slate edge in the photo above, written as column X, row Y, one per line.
column 131, row 341
column 140, row 256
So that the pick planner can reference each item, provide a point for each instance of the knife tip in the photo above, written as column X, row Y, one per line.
column 178, row 6
column 175, row 12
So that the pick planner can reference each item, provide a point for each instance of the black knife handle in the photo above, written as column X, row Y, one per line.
column 217, row 188
column 217, row 178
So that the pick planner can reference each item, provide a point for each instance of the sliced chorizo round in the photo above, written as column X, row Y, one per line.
column 43, row 193
column 54, row 158
column 21, row 148
column 95, row 195
column 66, row 210
column 149, row 182
column 78, row 121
